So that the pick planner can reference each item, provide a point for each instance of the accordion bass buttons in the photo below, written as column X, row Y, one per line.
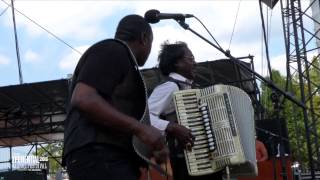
column 207, row 126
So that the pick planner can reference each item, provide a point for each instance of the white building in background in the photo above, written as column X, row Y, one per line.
column 316, row 15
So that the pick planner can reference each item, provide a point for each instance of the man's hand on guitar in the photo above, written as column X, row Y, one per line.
column 154, row 139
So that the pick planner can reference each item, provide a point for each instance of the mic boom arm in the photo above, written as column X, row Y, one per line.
column 227, row 54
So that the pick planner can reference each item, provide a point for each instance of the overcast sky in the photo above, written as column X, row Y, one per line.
column 82, row 23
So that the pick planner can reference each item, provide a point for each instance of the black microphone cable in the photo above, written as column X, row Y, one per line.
column 208, row 31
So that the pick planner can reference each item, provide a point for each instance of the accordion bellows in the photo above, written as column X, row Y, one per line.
column 221, row 118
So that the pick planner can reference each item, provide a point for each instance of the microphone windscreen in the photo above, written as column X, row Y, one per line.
column 151, row 16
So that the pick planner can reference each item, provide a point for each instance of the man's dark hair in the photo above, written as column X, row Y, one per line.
column 130, row 28
column 169, row 55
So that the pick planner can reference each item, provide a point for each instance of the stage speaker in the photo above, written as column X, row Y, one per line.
column 268, row 132
column 225, row 71
column 23, row 175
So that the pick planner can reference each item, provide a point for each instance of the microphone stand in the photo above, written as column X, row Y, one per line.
column 266, row 81
column 277, row 107
column 236, row 61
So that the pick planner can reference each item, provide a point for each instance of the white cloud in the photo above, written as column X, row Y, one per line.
column 31, row 57
column 76, row 19
column 83, row 20
column 3, row 7
column 219, row 17
column 69, row 61
column 279, row 63
column 4, row 60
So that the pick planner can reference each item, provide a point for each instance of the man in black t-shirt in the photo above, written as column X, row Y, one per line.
column 107, row 100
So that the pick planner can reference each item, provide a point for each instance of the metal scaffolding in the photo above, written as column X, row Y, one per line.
column 302, row 56
column 31, row 115
column 32, row 112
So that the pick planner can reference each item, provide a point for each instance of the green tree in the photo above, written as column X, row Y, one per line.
column 291, row 112
column 54, row 153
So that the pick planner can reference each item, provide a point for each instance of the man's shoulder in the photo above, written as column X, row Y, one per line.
column 111, row 44
column 109, row 49
column 167, row 85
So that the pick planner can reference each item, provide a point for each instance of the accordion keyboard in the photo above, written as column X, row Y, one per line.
column 211, row 115
column 197, row 119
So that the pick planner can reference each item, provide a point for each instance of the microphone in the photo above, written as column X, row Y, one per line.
column 153, row 16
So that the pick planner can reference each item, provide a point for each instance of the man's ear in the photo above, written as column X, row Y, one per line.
column 178, row 65
column 143, row 38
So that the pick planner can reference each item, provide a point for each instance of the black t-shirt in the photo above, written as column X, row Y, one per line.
column 106, row 64
column 109, row 68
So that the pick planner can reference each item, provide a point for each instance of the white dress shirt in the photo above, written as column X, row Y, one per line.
column 161, row 102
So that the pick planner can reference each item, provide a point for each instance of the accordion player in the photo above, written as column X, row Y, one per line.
column 221, row 118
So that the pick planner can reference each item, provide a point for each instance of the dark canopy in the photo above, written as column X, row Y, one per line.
column 32, row 112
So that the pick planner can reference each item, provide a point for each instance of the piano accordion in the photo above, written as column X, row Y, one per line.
column 221, row 118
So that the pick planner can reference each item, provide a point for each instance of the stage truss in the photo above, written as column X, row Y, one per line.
column 32, row 112
column 302, row 55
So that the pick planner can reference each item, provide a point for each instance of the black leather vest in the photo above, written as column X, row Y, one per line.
column 128, row 97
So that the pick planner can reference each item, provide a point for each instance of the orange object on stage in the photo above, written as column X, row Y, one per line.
column 155, row 175
column 266, row 170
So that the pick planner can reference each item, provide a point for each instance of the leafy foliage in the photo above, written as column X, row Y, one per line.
column 53, row 152
column 292, row 113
